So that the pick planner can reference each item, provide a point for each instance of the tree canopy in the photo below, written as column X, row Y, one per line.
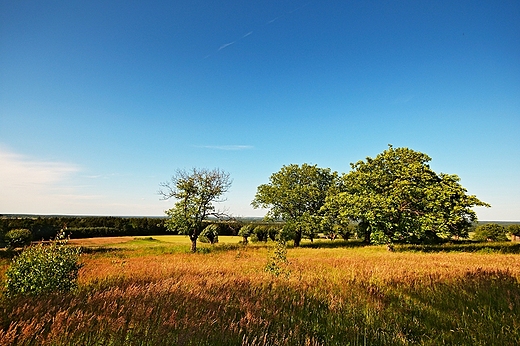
column 490, row 232
column 195, row 192
column 396, row 196
column 296, row 194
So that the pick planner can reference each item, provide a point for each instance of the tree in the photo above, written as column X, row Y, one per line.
column 490, row 232
column 20, row 237
column 398, row 197
column 195, row 192
column 296, row 194
column 514, row 230
column 245, row 232
column 210, row 234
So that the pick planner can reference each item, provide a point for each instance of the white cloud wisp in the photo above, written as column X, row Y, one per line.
column 32, row 186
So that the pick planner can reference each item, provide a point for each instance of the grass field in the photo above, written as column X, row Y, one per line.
column 153, row 292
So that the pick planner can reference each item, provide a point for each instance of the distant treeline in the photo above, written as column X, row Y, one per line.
column 47, row 227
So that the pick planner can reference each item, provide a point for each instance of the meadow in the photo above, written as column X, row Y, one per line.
column 152, row 291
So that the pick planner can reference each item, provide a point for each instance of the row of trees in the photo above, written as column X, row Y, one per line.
column 394, row 197
column 496, row 232
column 82, row 226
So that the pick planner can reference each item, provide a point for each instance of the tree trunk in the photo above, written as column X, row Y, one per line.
column 193, row 243
column 297, row 238
column 367, row 237
column 365, row 228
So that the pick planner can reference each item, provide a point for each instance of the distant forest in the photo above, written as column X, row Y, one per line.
column 47, row 227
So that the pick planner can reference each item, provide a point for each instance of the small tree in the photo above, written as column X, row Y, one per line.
column 18, row 238
column 277, row 263
column 42, row 269
column 245, row 232
column 210, row 234
column 261, row 233
column 195, row 192
column 514, row 230
column 490, row 232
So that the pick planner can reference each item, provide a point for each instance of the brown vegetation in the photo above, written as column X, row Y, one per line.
column 332, row 297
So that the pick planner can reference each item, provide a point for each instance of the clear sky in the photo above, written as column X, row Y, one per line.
column 101, row 101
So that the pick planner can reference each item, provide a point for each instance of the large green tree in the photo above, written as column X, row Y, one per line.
column 296, row 194
column 195, row 192
column 396, row 196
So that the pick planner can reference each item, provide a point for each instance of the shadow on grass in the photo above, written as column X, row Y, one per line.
column 219, row 248
column 334, row 244
column 488, row 247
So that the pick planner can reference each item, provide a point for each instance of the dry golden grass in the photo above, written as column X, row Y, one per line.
column 306, row 264
column 333, row 296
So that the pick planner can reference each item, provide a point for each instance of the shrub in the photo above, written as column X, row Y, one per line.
column 18, row 238
column 277, row 263
column 246, row 231
column 43, row 268
column 261, row 232
column 209, row 234
column 490, row 232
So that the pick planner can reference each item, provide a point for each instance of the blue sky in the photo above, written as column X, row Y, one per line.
column 101, row 101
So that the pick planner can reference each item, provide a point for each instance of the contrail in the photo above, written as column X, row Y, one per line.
column 250, row 32
column 226, row 45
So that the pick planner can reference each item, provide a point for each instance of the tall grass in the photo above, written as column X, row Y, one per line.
column 343, row 296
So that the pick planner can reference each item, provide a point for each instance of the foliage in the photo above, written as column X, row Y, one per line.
column 490, row 232
column 18, row 238
column 47, row 227
column 42, row 269
column 91, row 232
column 333, row 227
column 195, row 192
column 296, row 194
column 210, row 234
column 277, row 263
column 398, row 197
column 246, row 231
column 514, row 229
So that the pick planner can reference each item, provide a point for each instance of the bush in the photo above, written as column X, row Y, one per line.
column 260, row 233
column 42, row 269
column 18, row 238
column 246, row 231
column 277, row 263
column 490, row 232
column 209, row 234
